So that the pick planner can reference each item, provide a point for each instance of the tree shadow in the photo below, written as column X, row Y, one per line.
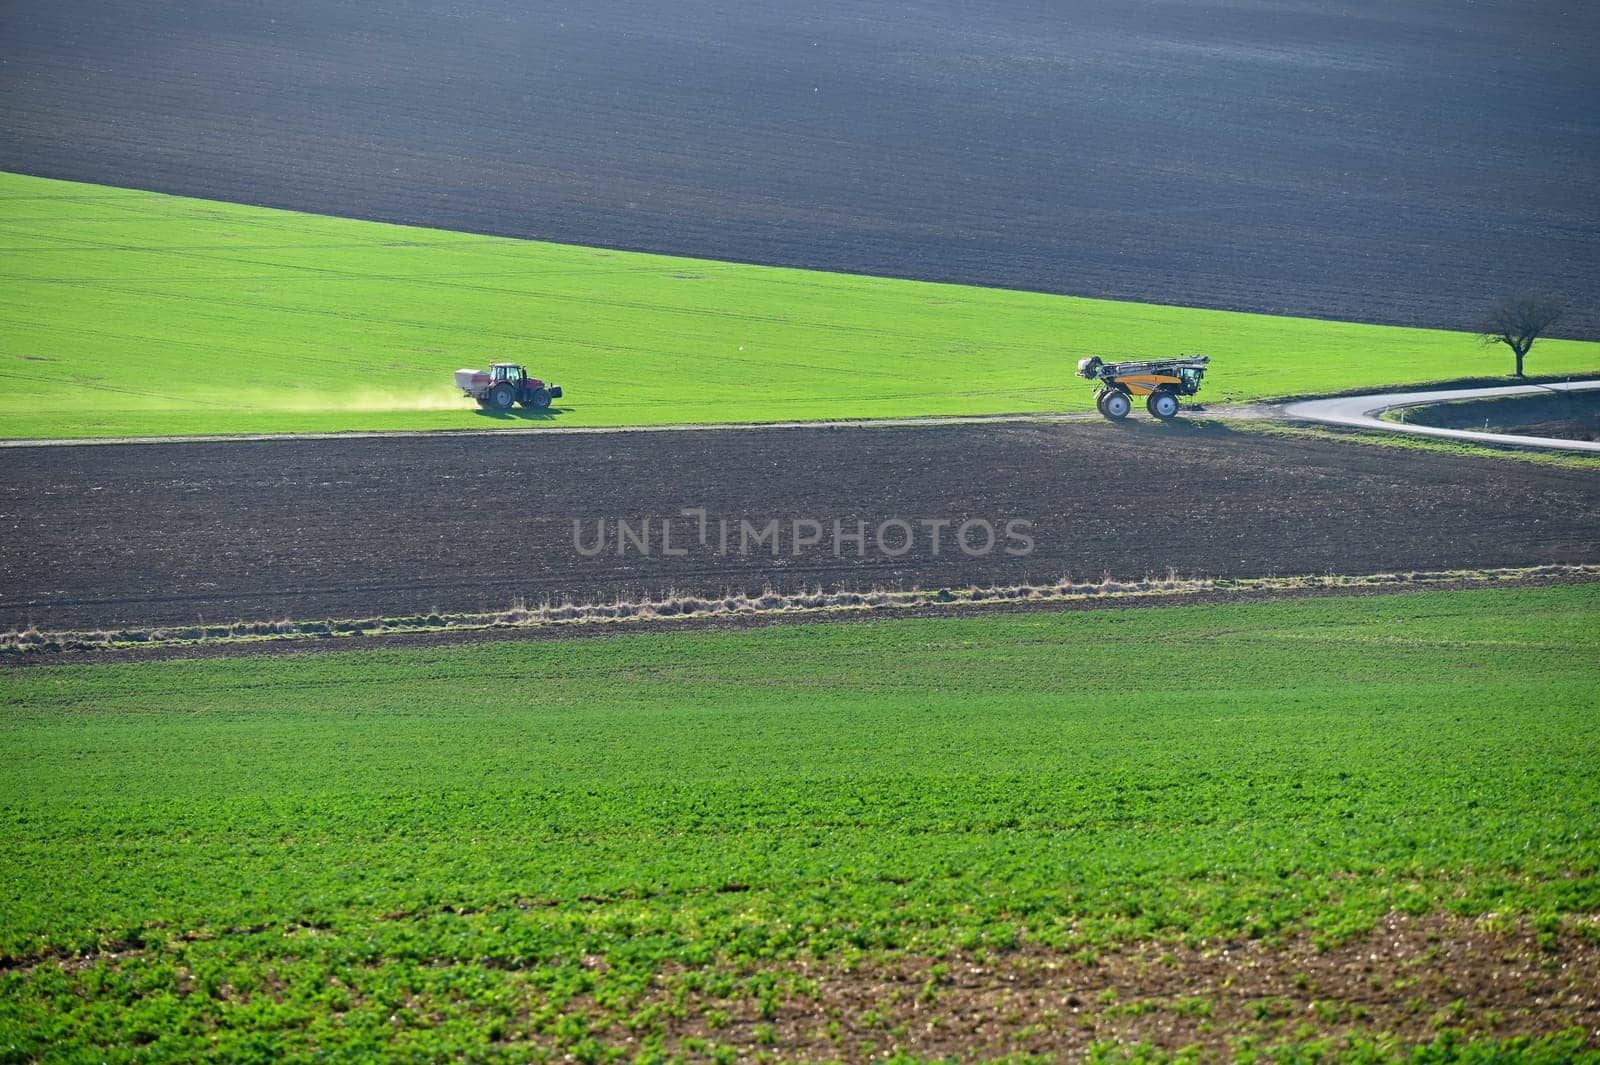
column 523, row 414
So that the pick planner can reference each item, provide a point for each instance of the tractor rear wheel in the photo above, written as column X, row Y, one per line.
column 1116, row 406
column 1162, row 405
column 501, row 397
column 538, row 399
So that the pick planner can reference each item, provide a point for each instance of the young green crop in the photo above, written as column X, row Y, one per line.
column 276, row 854
column 133, row 313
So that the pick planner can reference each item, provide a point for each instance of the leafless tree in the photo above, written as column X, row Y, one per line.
column 1517, row 321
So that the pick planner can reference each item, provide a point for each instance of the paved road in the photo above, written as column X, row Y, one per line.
column 1363, row 411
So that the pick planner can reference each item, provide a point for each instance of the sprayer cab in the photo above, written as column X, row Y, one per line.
column 505, row 384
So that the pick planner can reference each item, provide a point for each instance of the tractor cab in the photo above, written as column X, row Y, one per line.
column 505, row 385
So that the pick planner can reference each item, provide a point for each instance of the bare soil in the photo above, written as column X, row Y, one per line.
column 1409, row 981
column 1405, row 162
column 115, row 536
column 1406, row 981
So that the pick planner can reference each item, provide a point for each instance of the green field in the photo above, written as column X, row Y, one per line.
column 496, row 851
column 132, row 313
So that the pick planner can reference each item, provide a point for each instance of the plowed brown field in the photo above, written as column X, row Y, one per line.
column 1403, row 162
column 133, row 534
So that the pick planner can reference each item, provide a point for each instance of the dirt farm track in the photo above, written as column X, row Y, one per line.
column 143, row 534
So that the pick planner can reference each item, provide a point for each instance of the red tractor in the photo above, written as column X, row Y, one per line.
column 506, row 383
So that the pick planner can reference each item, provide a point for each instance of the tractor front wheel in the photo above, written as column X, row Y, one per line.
column 501, row 397
column 1116, row 406
column 538, row 399
column 1162, row 405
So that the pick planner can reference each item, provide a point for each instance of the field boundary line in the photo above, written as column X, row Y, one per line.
column 687, row 610
column 913, row 421
column 556, row 430
column 1358, row 411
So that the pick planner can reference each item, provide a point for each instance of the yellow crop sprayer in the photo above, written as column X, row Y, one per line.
column 1161, row 381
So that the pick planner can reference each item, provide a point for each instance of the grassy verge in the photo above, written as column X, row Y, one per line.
column 132, row 313
column 605, row 848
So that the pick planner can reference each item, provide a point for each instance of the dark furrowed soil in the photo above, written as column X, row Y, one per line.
column 1402, row 162
column 156, row 534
